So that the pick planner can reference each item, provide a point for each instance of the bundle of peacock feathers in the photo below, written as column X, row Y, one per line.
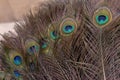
column 64, row 40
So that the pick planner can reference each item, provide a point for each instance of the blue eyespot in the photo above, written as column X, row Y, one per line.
column 68, row 29
column 33, row 49
column 54, row 35
column 17, row 60
column 17, row 74
column 44, row 45
column 102, row 19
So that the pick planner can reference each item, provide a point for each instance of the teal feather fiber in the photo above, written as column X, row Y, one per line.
column 64, row 40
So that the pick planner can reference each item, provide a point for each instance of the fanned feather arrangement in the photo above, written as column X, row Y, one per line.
column 65, row 40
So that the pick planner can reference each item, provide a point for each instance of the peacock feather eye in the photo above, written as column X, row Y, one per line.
column 52, row 32
column 32, row 46
column 17, row 60
column 102, row 16
column 16, row 73
column 54, row 35
column 44, row 44
column 68, row 27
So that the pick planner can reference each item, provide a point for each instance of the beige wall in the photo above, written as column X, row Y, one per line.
column 11, row 10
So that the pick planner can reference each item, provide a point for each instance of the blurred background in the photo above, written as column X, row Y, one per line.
column 10, row 10
column 13, row 10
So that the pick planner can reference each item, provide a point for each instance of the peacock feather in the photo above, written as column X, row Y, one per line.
column 64, row 40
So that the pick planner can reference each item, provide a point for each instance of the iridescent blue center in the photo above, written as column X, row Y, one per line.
column 68, row 29
column 33, row 49
column 16, row 73
column 17, row 60
column 54, row 35
column 44, row 45
column 102, row 19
